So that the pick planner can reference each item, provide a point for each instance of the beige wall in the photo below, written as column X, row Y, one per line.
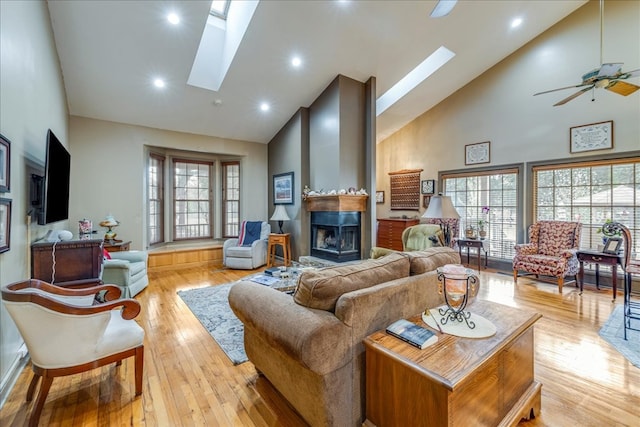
column 108, row 165
column 32, row 100
column 499, row 106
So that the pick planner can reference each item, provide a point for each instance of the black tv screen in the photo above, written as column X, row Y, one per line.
column 56, row 182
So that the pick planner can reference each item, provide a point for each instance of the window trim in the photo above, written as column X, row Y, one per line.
column 517, row 168
column 161, row 198
column 223, row 200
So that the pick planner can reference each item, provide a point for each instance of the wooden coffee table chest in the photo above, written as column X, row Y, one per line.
column 457, row 381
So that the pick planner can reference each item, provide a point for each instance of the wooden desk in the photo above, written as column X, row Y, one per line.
column 116, row 245
column 275, row 240
column 598, row 258
column 457, row 381
column 473, row 243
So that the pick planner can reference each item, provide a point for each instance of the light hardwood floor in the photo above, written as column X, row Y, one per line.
column 189, row 381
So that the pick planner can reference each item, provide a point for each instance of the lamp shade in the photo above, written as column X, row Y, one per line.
column 441, row 207
column 280, row 214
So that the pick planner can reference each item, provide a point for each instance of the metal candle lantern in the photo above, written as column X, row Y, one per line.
column 460, row 286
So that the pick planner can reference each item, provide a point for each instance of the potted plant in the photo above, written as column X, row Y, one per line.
column 482, row 223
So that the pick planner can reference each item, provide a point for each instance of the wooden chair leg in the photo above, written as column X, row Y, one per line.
column 42, row 396
column 515, row 275
column 32, row 387
column 139, row 361
column 560, row 283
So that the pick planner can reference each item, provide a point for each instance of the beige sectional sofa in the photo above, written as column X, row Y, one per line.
column 309, row 346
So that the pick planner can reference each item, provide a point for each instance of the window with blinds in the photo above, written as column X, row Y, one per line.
column 230, row 198
column 591, row 193
column 155, row 191
column 489, row 199
column 192, row 199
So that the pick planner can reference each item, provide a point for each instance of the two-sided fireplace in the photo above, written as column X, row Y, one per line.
column 335, row 236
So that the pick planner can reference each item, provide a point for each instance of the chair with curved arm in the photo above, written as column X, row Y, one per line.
column 551, row 251
column 67, row 332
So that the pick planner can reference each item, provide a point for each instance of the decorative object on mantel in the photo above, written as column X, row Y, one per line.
column 5, row 164
column 109, row 222
column 280, row 215
column 477, row 153
column 591, row 137
column 405, row 189
column 5, row 225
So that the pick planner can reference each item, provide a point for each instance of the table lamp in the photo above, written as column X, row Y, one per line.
column 280, row 215
column 441, row 207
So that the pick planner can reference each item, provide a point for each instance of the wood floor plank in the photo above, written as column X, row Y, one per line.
column 189, row 381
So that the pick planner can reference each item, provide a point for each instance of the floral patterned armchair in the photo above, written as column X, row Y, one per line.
column 551, row 251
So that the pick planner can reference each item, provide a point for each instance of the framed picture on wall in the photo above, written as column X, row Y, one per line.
column 379, row 197
column 5, row 224
column 477, row 153
column 428, row 186
column 595, row 136
column 283, row 189
column 5, row 164
column 425, row 201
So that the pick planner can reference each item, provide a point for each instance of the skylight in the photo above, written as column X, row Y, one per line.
column 416, row 76
column 219, row 8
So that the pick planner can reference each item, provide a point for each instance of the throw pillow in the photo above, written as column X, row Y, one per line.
column 106, row 254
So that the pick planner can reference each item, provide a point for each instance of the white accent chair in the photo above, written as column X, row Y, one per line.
column 127, row 270
column 67, row 332
column 246, row 257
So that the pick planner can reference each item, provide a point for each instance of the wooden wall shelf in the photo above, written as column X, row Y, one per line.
column 337, row 203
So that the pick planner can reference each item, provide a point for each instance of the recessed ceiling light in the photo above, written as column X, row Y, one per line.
column 296, row 61
column 159, row 83
column 516, row 22
column 264, row 106
column 173, row 18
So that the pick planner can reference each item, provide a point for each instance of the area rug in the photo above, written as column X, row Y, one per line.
column 211, row 307
column 613, row 332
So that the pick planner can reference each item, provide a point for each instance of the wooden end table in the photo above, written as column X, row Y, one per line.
column 275, row 240
column 598, row 258
column 116, row 245
column 473, row 243
column 456, row 381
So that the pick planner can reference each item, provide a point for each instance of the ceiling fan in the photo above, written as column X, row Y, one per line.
column 608, row 76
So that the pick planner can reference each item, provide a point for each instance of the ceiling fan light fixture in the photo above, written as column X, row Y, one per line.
column 443, row 8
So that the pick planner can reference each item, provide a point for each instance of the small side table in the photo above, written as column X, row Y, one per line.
column 598, row 258
column 116, row 245
column 473, row 243
column 283, row 240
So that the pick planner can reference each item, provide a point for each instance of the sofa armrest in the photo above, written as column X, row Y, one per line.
column 116, row 263
column 378, row 252
column 131, row 256
column 315, row 338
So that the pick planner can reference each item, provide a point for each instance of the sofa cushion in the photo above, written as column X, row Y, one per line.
column 321, row 289
column 431, row 258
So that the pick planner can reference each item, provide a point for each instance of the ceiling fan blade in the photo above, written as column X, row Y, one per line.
column 575, row 95
column 610, row 69
column 622, row 88
column 634, row 73
column 561, row 88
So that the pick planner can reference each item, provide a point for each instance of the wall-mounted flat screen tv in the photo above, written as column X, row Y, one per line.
column 57, row 170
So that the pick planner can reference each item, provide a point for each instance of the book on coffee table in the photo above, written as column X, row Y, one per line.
column 414, row 334
column 265, row 280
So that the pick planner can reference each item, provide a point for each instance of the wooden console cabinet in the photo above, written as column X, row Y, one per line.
column 77, row 262
column 390, row 232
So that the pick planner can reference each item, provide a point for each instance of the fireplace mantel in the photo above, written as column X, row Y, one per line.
column 337, row 203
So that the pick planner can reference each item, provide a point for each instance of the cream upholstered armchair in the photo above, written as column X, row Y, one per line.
column 551, row 251
column 127, row 270
column 249, row 250
column 67, row 332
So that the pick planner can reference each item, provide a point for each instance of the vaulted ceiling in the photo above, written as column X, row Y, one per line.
column 110, row 52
